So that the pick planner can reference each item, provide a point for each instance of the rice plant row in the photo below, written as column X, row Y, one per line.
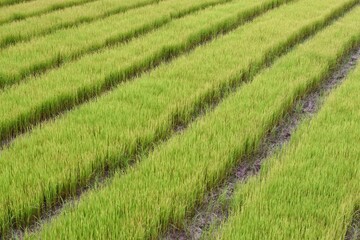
column 45, row 96
column 165, row 186
column 39, row 54
column 32, row 8
column 311, row 188
column 25, row 29
column 11, row 2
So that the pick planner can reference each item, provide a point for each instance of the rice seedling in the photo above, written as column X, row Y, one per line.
column 32, row 8
column 11, row 2
column 28, row 28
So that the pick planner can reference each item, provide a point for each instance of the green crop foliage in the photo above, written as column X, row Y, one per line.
column 28, row 28
column 166, row 185
column 46, row 96
column 11, row 2
column 310, row 189
column 64, row 45
column 33, row 8
column 55, row 159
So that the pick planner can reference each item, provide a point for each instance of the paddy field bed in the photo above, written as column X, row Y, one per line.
column 179, row 119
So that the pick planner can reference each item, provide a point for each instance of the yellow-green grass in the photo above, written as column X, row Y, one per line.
column 64, row 45
column 57, row 158
column 310, row 189
column 11, row 2
column 28, row 28
column 38, row 98
column 166, row 185
column 32, row 8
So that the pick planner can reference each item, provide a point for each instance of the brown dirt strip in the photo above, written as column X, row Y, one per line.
column 353, row 231
column 215, row 208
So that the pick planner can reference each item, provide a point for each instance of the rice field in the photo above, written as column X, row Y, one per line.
column 118, row 119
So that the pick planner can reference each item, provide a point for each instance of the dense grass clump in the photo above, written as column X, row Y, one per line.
column 33, row 8
column 27, row 28
column 42, row 97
